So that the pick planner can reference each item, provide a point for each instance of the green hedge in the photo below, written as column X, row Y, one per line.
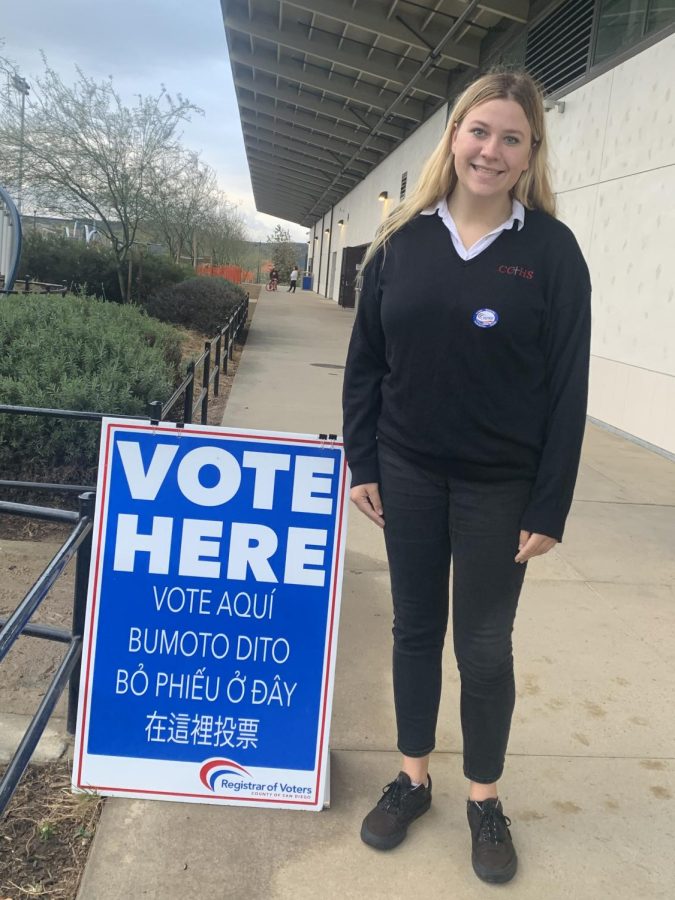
column 90, row 269
column 75, row 353
column 203, row 303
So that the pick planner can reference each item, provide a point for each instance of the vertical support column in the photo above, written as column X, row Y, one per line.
column 80, row 603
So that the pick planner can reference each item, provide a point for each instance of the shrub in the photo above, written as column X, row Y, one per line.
column 91, row 268
column 203, row 303
column 75, row 353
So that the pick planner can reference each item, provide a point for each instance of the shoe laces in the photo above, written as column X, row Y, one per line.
column 493, row 825
column 392, row 794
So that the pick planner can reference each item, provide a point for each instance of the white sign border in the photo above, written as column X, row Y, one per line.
column 81, row 758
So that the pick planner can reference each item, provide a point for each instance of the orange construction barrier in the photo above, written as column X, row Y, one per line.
column 233, row 273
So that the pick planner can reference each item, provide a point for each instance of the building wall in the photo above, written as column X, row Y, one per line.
column 361, row 210
column 614, row 172
column 613, row 166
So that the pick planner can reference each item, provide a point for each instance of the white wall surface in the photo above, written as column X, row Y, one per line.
column 361, row 211
column 614, row 172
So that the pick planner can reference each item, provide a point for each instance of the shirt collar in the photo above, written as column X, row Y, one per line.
column 441, row 207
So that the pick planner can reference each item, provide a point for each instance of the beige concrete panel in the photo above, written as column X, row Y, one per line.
column 576, row 136
column 635, row 400
column 607, row 389
column 640, row 126
column 594, row 669
column 583, row 828
column 633, row 271
column 576, row 208
column 621, row 542
column 640, row 475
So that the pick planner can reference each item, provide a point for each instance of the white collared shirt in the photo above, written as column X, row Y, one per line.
column 517, row 215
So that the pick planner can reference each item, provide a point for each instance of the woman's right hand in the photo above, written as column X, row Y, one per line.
column 367, row 498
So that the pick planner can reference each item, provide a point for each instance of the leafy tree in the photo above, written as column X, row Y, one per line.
column 282, row 251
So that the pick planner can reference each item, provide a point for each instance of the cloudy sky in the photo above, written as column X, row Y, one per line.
column 144, row 44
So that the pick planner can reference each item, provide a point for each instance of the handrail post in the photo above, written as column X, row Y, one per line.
column 205, row 382
column 216, row 380
column 226, row 354
column 155, row 411
column 86, row 502
column 189, row 395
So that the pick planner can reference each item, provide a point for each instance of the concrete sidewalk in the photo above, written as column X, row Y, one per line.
column 591, row 773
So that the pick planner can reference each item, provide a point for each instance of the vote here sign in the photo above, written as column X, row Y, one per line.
column 214, row 595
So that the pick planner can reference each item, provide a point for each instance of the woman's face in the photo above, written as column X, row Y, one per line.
column 492, row 147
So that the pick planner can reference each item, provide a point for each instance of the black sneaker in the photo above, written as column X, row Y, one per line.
column 492, row 854
column 386, row 825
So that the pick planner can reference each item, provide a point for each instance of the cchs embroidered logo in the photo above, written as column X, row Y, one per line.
column 516, row 270
column 485, row 318
column 212, row 769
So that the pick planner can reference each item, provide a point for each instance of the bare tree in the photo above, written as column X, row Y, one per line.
column 282, row 250
column 223, row 236
column 86, row 154
column 182, row 197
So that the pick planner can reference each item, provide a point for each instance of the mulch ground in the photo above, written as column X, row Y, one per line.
column 46, row 831
column 45, row 835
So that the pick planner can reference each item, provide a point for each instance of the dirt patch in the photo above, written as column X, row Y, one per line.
column 45, row 834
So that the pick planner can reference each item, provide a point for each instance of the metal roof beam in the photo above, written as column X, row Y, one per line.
column 270, row 141
column 327, row 132
column 313, row 168
column 295, row 168
column 293, row 36
column 332, row 82
column 312, row 103
column 466, row 53
column 516, row 10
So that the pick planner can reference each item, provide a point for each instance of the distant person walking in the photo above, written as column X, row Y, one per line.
column 294, row 279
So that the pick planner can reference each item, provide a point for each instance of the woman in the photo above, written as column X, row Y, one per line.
column 464, row 409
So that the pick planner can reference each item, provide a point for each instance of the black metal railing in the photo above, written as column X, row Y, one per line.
column 220, row 349
column 30, row 286
column 214, row 363
column 78, row 543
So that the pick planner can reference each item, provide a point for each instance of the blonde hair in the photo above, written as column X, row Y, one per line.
column 439, row 177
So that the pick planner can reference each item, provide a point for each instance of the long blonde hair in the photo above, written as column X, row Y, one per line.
column 439, row 177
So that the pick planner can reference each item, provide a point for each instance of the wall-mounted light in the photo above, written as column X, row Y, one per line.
column 341, row 222
column 383, row 195
column 554, row 104
column 327, row 231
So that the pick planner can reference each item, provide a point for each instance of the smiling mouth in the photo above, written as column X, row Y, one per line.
column 485, row 170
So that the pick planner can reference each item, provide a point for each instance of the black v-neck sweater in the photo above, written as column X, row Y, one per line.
column 476, row 369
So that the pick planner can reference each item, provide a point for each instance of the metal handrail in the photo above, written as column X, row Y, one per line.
column 79, row 542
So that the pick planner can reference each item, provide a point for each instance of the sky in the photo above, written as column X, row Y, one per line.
column 144, row 44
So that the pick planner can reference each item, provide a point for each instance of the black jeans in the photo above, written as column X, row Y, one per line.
column 430, row 519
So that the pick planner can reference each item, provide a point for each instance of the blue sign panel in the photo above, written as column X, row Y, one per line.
column 212, row 618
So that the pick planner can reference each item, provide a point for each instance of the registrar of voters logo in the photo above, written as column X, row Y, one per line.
column 485, row 318
column 215, row 769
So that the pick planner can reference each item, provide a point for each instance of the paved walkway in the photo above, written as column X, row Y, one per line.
column 590, row 775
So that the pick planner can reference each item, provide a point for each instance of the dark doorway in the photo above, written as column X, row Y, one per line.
column 351, row 265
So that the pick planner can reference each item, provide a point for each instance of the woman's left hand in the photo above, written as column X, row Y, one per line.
column 532, row 544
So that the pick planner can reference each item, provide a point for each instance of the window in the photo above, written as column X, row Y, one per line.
column 622, row 23
column 404, row 184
